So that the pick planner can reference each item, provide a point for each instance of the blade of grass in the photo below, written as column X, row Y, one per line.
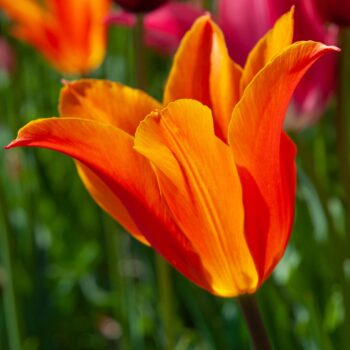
column 10, row 302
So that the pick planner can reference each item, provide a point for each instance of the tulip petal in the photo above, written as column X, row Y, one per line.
column 273, row 43
column 28, row 12
column 263, row 150
column 202, row 70
column 189, row 75
column 106, row 101
column 112, row 103
column 225, row 76
column 32, row 24
column 108, row 153
column 198, row 178
column 82, row 29
column 108, row 201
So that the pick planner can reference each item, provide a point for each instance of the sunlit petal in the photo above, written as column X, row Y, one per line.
column 200, row 184
column 202, row 70
column 108, row 152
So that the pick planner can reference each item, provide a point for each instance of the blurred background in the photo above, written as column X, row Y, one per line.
column 72, row 278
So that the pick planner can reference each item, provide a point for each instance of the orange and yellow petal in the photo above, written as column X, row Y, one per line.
column 271, row 44
column 71, row 35
column 202, row 70
column 189, row 75
column 33, row 24
column 28, row 11
column 99, row 147
column 113, row 163
column 225, row 76
column 107, row 102
column 198, row 179
column 264, row 154
column 82, row 30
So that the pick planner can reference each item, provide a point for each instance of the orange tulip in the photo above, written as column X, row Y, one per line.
column 207, row 180
column 70, row 34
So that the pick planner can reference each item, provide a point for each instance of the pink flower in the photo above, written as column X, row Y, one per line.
column 164, row 26
column 7, row 58
column 336, row 11
column 244, row 22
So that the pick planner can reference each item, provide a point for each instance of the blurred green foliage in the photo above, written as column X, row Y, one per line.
column 81, row 282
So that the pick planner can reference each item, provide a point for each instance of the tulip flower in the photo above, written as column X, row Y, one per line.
column 335, row 11
column 70, row 34
column 208, row 177
column 164, row 27
column 244, row 21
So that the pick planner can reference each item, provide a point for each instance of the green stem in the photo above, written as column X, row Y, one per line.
column 342, row 130
column 114, row 252
column 10, row 304
column 254, row 322
column 139, row 53
column 313, row 172
column 166, row 301
column 343, row 114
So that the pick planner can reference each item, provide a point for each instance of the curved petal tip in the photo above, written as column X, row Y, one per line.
column 16, row 143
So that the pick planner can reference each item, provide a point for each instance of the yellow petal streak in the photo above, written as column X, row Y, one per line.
column 199, row 181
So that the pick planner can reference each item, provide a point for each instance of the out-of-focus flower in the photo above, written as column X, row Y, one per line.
column 165, row 26
column 7, row 58
column 335, row 11
column 70, row 34
column 209, row 179
column 138, row 6
column 244, row 21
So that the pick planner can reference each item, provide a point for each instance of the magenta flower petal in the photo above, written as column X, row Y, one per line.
column 245, row 21
column 7, row 58
column 336, row 11
column 121, row 18
column 164, row 26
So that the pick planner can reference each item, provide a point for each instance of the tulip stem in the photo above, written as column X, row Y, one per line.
column 342, row 131
column 343, row 112
column 250, row 310
column 139, row 53
column 166, row 301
